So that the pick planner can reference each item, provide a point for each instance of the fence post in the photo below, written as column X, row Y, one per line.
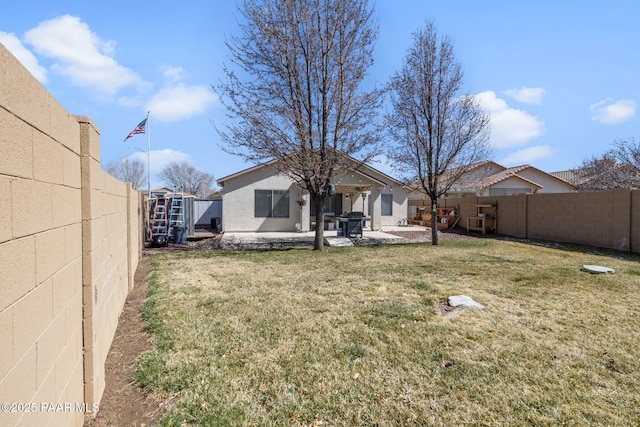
column 92, row 235
column 621, row 217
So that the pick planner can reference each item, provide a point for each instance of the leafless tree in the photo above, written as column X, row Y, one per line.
column 298, row 97
column 191, row 179
column 129, row 170
column 627, row 152
column 438, row 129
column 617, row 168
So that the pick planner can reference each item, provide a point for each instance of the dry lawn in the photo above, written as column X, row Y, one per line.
column 355, row 336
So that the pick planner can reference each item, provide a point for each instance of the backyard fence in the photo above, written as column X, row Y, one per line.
column 70, row 241
column 608, row 219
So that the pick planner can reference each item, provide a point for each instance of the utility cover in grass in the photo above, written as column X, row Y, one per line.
column 464, row 300
column 337, row 241
column 597, row 269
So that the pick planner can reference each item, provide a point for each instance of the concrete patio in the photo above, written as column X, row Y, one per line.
column 302, row 238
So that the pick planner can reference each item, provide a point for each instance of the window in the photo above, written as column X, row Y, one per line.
column 272, row 204
column 508, row 191
column 333, row 205
column 387, row 204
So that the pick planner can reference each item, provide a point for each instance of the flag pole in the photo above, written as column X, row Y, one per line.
column 148, row 157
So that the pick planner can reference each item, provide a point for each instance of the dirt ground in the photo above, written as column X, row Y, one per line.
column 124, row 404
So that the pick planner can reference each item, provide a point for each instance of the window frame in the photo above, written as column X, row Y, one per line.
column 389, row 201
column 277, row 207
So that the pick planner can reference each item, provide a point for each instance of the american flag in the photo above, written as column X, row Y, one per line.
column 139, row 129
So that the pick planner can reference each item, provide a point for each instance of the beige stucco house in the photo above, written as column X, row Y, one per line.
column 261, row 198
column 491, row 179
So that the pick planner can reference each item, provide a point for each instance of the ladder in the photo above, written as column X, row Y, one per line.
column 176, row 214
column 159, row 222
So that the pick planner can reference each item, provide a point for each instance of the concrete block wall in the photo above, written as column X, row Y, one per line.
column 69, row 247
column 512, row 212
column 622, row 236
column 583, row 218
column 634, row 227
column 108, row 227
column 608, row 219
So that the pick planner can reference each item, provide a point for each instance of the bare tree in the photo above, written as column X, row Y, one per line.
column 438, row 130
column 191, row 179
column 301, row 103
column 617, row 168
column 129, row 170
column 627, row 152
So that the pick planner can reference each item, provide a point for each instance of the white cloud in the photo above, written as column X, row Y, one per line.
column 528, row 155
column 180, row 102
column 26, row 58
column 610, row 112
column 81, row 55
column 172, row 73
column 527, row 95
column 160, row 158
column 509, row 126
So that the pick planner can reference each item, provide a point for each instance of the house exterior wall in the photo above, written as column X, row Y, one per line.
column 399, row 209
column 69, row 245
column 238, row 202
column 510, row 183
column 204, row 210
column 400, row 197
column 549, row 183
column 238, row 206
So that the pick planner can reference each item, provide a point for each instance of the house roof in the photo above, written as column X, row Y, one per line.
column 503, row 176
column 567, row 176
column 595, row 178
column 550, row 175
column 167, row 190
column 479, row 179
column 362, row 169
column 473, row 173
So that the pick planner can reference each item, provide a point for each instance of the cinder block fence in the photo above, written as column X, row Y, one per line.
column 70, row 241
column 608, row 219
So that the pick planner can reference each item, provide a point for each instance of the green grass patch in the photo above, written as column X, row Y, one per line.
column 355, row 336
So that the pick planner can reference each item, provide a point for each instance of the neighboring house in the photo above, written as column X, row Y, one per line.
column 261, row 198
column 602, row 177
column 166, row 191
column 491, row 179
column 488, row 178
column 568, row 176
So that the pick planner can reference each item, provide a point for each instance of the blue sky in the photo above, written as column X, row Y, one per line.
column 559, row 78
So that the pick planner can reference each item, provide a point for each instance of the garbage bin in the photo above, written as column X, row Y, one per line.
column 180, row 235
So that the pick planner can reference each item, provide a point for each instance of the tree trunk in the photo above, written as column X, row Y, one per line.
column 318, row 244
column 434, row 222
